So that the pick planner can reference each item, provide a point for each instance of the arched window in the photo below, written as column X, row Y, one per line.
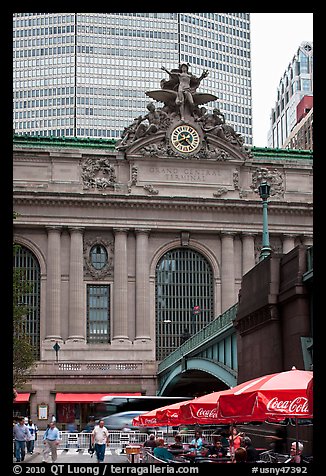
column 184, row 298
column 29, row 273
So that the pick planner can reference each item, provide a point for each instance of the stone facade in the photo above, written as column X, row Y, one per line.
column 71, row 194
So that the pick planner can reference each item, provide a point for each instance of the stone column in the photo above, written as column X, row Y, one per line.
column 307, row 240
column 142, row 285
column 228, row 284
column 248, row 252
column 53, row 290
column 288, row 243
column 77, row 308
column 120, row 290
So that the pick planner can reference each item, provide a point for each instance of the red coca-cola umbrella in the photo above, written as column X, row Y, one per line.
column 162, row 416
column 310, row 393
column 202, row 410
column 280, row 395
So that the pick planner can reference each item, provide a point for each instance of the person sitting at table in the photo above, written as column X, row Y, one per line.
column 197, row 442
column 217, row 450
column 240, row 455
column 161, row 452
column 295, row 455
column 224, row 439
column 177, row 445
column 150, row 443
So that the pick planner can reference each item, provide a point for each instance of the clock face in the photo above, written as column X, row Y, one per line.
column 185, row 139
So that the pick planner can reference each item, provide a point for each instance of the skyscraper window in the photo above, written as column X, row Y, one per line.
column 124, row 52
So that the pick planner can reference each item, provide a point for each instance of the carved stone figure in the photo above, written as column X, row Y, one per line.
column 187, row 85
column 190, row 131
column 128, row 133
column 211, row 122
column 179, row 92
column 156, row 119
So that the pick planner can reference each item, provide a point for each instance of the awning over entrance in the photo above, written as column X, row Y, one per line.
column 88, row 397
column 22, row 398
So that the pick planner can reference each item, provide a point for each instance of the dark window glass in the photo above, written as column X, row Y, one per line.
column 184, row 280
column 28, row 270
column 98, row 314
column 99, row 256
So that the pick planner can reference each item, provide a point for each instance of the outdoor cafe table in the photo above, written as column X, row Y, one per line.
column 196, row 458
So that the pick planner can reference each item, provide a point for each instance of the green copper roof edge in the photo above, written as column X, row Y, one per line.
column 288, row 153
column 29, row 140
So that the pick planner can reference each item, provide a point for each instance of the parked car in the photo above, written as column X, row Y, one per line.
column 118, row 421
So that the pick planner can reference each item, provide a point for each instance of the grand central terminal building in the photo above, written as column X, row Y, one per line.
column 130, row 246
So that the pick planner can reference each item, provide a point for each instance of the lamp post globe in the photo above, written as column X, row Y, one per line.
column 264, row 192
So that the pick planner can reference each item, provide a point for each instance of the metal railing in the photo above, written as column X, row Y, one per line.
column 219, row 325
column 118, row 439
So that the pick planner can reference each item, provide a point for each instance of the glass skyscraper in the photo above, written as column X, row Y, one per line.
column 295, row 84
column 85, row 74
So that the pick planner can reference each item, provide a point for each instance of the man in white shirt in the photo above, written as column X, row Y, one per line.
column 100, row 437
column 51, row 440
column 33, row 431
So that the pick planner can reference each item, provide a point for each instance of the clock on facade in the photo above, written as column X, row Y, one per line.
column 185, row 138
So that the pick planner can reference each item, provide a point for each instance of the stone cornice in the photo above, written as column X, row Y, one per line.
column 155, row 202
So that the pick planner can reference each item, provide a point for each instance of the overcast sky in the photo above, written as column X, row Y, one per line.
column 275, row 38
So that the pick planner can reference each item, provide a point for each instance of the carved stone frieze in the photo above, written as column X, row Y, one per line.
column 98, row 173
column 274, row 177
column 107, row 270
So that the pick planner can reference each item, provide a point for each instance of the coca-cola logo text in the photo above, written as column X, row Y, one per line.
column 203, row 413
column 150, row 420
column 297, row 405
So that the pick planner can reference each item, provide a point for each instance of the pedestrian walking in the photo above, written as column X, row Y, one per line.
column 33, row 431
column 51, row 440
column 21, row 435
column 100, row 438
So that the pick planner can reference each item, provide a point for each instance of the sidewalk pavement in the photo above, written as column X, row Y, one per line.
column 28, row 457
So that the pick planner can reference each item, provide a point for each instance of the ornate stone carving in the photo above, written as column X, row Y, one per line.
column 107, row 270
column 150, row 189
column 154, row 120
column 220, row 191
column 155, row 150
column 98, row 173
column 236, row 179
column 194, row 132
column 274, row 177
column 184, row 238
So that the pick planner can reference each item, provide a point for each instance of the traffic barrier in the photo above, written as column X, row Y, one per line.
column 118, row 439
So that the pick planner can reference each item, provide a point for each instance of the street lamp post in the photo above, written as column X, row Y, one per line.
column 264, row 190
column 56, row 348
